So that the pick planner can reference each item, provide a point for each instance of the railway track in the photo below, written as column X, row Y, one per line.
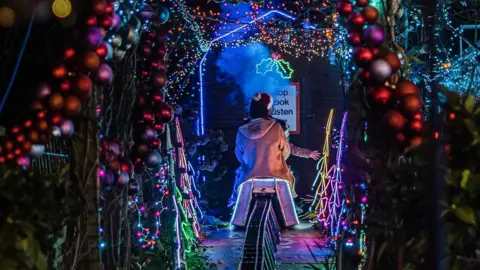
column 261, row 237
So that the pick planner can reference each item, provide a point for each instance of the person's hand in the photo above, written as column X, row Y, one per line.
column 315, row 155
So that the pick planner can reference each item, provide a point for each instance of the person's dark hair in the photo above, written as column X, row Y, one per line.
column 259, row 107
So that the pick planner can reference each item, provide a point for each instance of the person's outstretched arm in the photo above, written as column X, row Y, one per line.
column 304, row 152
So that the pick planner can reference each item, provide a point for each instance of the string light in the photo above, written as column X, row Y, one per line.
column 276, row 64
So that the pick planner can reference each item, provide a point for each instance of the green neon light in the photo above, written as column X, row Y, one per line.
column 280, row 66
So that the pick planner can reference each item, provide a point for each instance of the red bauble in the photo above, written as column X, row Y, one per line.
column 55, row 102
column 416, row 126
column 159, row 79
column 404, row 88
column 90, row 61
column 361, row 3
column 68, row 53
column 364, row 75
column 355, row 39
column 92, row 21
column 381, row 95
column 160, row 128
column 83, row 87
column 344, row 8
column 370, row 14
column 166, row 113
column 56, row 119
column 400, row 138
column 65, row 86
column 59, row 72
column 72, row 105
column 356, row 20
column 411, row 105
column 362, row 56
column 415, row 141
column 158, row 97
column 161, row 38
column 146, row 49
column 395, row 120
column 37, row 106
column 100, row 7
column 393, row 60
column 107, row 22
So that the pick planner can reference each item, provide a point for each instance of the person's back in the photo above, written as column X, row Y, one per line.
column 262, row 149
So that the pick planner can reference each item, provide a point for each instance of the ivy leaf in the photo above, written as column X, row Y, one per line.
column 470, row 126
column 470, row 103
column 465, row 176
column 465, row 214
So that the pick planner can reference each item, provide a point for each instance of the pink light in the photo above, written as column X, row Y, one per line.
column 275, row 56
column 364, row 199
column 101, row 173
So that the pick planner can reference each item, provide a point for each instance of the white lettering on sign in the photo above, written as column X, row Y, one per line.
column 286, row 106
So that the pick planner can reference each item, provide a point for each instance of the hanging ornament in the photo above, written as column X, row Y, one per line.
column 90, row 61
column 395, row 120
column 361, row 3
column 374, row 35
column 72, row 106
column 362, row 56
column 355, row 39
column 344, row 8
column 381, row 95
column 356, row 20
column 163, row 14
column 404, row 88
column 67, row 128
column 393, row 60
column 380, row 70
column 411, row 104
column 370, row 14
column 83, row 87
column 104, row 74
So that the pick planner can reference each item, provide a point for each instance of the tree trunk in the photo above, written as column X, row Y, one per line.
column 85, row 152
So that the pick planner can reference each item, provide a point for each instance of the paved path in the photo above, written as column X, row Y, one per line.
column 299, row 247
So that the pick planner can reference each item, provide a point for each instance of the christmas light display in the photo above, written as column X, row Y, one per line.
column 275, row 64
column 321, row 185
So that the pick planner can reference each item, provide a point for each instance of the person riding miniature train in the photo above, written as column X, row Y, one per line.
column 262, row 147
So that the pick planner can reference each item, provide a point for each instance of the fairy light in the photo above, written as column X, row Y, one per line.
column 275, row 64
column 319, row 204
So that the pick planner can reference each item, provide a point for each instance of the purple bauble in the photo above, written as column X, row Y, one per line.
column 116, row 22
column 67, row 128
column 374, row 35
column 380, row 70
column 154, row 159
column 104, row 74
column 23, row 161
column 145, row 12
column 123, row 178
column 108, row 178
column 149, row 134
column 94, row 37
